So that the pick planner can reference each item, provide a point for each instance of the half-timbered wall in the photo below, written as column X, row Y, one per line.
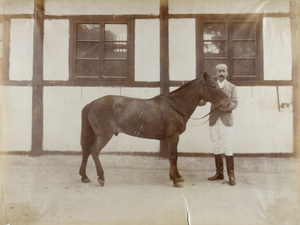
column 263, row 119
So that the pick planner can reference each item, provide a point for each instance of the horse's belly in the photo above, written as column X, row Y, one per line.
column 148, row 129
column 147, row 119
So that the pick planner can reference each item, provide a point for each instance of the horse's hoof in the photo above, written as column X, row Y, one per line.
column 178, row 184
column 101, row 182
column 85, row 180
column 180, row 179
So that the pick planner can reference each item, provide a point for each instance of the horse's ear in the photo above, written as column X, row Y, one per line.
column 206, row 76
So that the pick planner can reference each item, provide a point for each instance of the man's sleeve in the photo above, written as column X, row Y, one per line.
column 233, row 103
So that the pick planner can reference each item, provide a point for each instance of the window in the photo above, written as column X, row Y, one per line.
column 102, row 51
column 233, row 42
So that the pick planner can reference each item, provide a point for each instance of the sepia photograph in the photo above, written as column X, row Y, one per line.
column 149, row 112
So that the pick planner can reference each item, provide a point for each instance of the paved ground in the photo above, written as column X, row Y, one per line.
column 47, row 190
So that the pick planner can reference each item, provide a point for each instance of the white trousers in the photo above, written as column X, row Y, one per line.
column 222, row 138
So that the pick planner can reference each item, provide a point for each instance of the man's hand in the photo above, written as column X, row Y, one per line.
column 202, row 103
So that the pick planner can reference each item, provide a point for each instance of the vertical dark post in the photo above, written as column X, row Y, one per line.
column 37, row 80
column 295, row 28
column 164, row 61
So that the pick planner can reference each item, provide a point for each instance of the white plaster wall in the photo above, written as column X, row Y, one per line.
column 16, row 6
column 56, row 50
column 147, row 50
column 182, row 49
column 259, row 126
column 21, row 49
column 228, row 6
column 277, row 49
column 101, row 7
column 62, row 118
column 15, row 118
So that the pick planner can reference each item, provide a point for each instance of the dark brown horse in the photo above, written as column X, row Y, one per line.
column 162, row 118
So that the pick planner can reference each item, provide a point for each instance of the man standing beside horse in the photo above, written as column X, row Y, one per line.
column 221, row 127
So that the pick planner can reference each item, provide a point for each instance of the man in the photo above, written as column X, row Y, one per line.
column 221, row 127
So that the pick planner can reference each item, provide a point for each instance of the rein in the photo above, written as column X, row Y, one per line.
column 174, row 106
column 212, row 111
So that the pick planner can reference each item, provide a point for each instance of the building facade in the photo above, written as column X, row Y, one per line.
column 58, row 55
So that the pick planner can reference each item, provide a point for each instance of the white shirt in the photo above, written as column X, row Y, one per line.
column 221, row 84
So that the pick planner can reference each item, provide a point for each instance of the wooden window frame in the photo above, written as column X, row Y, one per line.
column 101, row 79
column 228, row 19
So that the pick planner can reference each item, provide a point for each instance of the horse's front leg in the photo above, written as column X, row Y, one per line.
column 173, row 155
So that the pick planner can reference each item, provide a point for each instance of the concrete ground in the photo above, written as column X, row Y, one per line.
column 47, row 190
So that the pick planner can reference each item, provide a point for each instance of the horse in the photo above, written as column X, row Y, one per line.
column 161, row 118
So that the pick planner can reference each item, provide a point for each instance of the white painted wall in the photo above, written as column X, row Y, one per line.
column 62, row 118
column 101, row 7
column 259, row 126
column 147, row 50
column 15, row 118
column 56, row 50
column 21, row 49
column 277, row 49
column 16, row 6
column 228, row 6
column 182, row 49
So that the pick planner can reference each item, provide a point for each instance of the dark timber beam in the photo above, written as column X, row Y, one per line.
column 295, row 28
column 37, row 80
column 164, row 60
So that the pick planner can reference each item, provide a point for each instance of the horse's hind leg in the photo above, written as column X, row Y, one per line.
column 82, row 171
column 87, row 140
column 101, row 141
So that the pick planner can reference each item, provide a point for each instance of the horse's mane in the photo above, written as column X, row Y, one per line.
column 185, row 86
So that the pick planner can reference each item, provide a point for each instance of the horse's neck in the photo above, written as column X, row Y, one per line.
column 188, row 97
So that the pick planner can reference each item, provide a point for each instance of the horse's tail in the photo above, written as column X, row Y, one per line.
column 87, row 134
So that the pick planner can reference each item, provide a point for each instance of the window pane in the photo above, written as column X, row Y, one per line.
column 88, row 32
column 115, row 69
column 214, row 31
column 88, row 50
column 215, row 49
column 88, row 68
column 243, row 31
column 116, row 32
column 210, row 65
column 243, row 49
column 116, row 50
column 244, row 68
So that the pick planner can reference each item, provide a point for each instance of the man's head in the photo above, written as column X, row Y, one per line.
column 221, row 72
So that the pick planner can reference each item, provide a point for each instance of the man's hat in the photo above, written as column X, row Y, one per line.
column 221, row 66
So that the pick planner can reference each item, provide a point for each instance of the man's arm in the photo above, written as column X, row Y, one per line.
column 233, row 103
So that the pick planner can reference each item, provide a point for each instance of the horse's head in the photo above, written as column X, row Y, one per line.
column 213, row 93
